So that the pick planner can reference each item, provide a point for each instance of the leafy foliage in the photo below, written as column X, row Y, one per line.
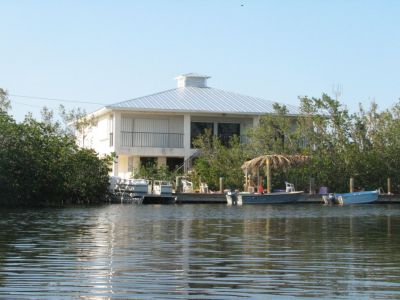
column 5, row 103
column 41, row 166
column 152, row 172
column 77, row 120
column 217, row 161
column 363, row 145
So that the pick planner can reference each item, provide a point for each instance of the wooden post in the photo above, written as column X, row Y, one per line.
column 389, row 186
column 246, row 184
column 312, row 185
column 351, row 185
column 178, row 183
column 221, row 185
column 268, row 167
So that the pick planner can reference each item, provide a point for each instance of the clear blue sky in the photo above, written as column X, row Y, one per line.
column 110, row 51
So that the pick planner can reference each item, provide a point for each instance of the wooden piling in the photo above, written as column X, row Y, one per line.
column 221, row 184
column 351, row 185
column 246, row 183
column 178, row 184
column 389, row 186
column 268, row 171
column 312, row 185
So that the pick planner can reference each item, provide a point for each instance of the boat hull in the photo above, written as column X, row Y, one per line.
column 272, row 198
column 354, row 198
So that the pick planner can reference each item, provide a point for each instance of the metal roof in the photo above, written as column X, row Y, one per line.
column 202, row 100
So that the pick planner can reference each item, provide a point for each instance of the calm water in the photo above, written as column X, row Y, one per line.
column 201, row 252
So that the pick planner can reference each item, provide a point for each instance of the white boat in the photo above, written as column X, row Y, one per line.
column 131, row 190
column 161, row 187
column 112, row 183
column 289, row 196
column 187, row 186
column 136, row 186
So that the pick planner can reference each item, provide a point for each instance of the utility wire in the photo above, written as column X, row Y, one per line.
column 55, row 99
column 26, row 104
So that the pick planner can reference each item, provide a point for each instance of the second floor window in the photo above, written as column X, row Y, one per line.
column 227, row 130
column 199, row 128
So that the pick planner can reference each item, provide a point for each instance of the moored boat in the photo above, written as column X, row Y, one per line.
column 270, row 198
column 128, row 190
column 351, row 198
column 162, row 187
column 270, row 161
column 136, row 187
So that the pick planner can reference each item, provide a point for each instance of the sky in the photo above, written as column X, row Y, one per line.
column 93, row 53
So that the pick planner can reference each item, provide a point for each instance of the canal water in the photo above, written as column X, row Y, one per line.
column 201, row 252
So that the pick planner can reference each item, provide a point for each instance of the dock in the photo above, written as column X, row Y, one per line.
column 218, row 198
column 142, row 199
column 194, row 198
column 158, row 199
column 139, row 191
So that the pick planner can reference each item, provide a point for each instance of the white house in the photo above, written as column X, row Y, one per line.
column 160, row 127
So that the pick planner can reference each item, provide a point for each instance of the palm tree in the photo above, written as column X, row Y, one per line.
column 273, row 161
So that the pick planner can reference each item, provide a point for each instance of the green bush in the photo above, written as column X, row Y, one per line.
column 39, row 165
column 364, row 145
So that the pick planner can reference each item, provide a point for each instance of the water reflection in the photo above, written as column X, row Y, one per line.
column 195, row 251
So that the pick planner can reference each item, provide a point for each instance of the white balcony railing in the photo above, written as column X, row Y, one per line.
column 151, row 139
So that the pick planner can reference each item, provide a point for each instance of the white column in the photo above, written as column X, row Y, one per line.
column 117, row 131
column 115, row 166
column 186, row 135
column 161, row 161
column 136, row 163
column 116, row 139
column 256, row 121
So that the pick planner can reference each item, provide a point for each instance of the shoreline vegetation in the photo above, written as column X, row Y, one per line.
column 41, row 164
column 363, row 145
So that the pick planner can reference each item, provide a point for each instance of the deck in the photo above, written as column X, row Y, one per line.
column 218, row 198
column 194, row 198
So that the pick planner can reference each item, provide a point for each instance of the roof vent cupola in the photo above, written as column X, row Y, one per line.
column 192, row 80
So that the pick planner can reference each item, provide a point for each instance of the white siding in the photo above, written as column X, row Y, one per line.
column 127, row 127
column 151, row 125
column 98, row 137
column 176, row 125
column 151, row 132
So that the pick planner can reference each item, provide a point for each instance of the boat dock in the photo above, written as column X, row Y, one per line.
column 199, row 198
column 142, row 199
column 193, row 198
column 140, row 191
column 216, row 198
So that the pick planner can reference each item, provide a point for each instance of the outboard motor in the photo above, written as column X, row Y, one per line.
column 233, row 197
column 329, row 199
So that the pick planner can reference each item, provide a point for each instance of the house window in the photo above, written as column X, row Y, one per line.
column 148, row 161
column 199, row 128
column 174, row 162
column 227, row 130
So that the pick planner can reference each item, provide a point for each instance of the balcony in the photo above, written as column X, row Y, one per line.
column 151, row 139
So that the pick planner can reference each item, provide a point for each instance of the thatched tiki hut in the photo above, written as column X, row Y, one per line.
column 272, row 161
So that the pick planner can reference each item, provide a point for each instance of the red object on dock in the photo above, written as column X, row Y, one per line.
column 260, row 189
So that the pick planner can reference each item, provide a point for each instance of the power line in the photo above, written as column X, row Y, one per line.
column 56, row 99
column 26, row 104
